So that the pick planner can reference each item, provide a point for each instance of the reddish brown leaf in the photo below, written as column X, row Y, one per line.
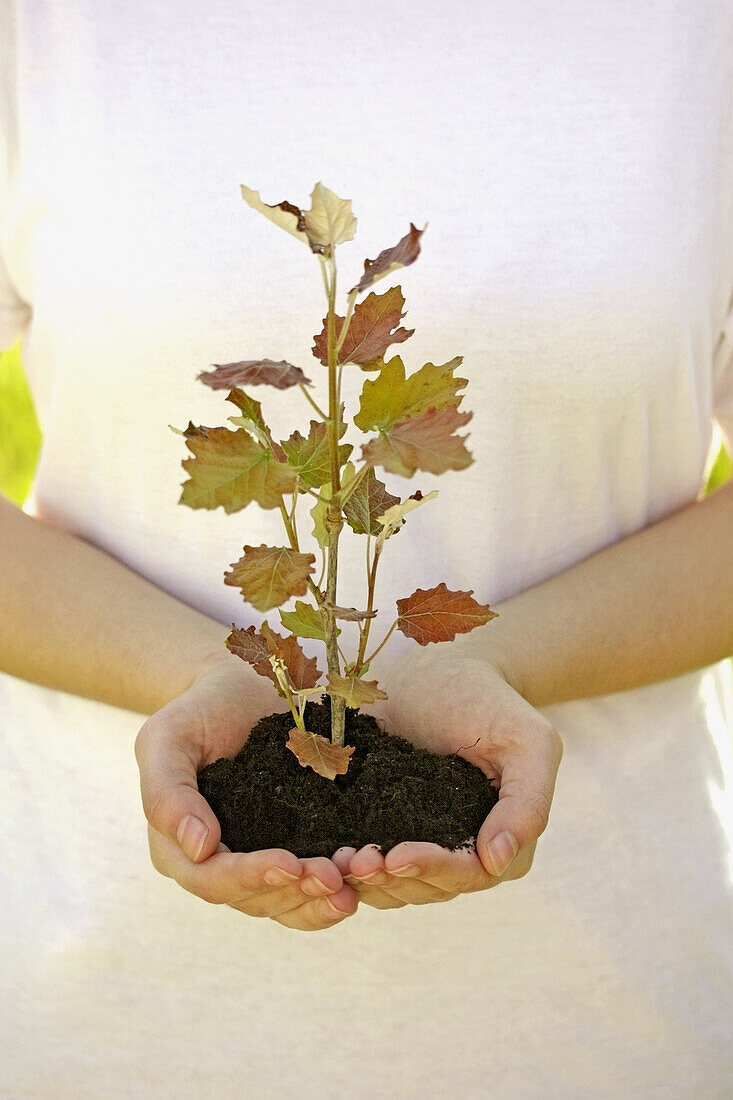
column 314, row 751
column 253, row 648
column 270, row 575
column 405, row 252
column 253, row 372
column 303, row 672
column 437, row 614
column 424, row 442
column 372, row 329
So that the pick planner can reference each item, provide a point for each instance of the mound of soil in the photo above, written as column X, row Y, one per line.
column 391, row 792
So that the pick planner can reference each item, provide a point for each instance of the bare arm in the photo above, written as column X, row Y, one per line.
column 654, row 605
column 76, row 619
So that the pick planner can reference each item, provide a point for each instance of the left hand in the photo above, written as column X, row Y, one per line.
column 444, row 699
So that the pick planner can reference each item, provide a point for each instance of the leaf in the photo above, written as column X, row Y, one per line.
column 270, row 575
column 249, row 408
column 229, row 469
column 356, row 692
column 370, row 331
column 437, row 614
column 284, row 214
column 311, row 456
column 314, row 751
column 191, row 431
column 254, row 372
column 391, row 520
column 405, row 252
column 305, row 620
column 318, row 511
column 303, row 672
column 329, row 221
column 423, row 442
column 390, row 397
column 368, row 501
column 251, row 647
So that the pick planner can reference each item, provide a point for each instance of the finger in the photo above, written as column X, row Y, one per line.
column 170, row 795
column 226, row 878
column 320, row 913
column 456, row 872
column 342, row 859
column 522, row 812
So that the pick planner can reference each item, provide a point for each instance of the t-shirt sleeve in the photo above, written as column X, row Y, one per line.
column 15, row 312
column 723, row 378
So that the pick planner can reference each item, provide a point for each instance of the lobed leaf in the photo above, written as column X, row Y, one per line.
column 303, row 672
column 356, row 692
column 251, row 647
column 270, row 575
column 329, row 221
column 254, row 372
column 405, row 252
column 437, row 614
column 305, row 620
column 391, row 520
column 311, row 457
column 230, row 470
column 390, row 397
column 424, row 442
column 317, row 752
column 368, row 501
column 371, row 331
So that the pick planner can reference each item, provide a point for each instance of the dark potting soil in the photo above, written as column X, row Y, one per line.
column 392, row 791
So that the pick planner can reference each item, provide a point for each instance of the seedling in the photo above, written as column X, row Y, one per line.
column 411, row 423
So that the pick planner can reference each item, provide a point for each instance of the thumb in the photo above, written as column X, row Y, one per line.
column 521, row 814
column 169, row 790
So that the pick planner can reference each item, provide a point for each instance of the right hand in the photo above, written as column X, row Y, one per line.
column 213, row 718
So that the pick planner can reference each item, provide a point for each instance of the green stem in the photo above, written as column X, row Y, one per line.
column 383, row 642
column 318, row 408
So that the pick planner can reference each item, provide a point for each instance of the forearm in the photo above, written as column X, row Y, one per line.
column 654, row 605
column 76, row 619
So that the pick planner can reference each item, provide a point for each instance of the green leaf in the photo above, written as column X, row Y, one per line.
column 391, row 397
column 305, row 621
column 20, row 433
column 311, row 457
column 319, row 509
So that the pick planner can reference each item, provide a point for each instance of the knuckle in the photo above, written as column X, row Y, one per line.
column 537, row 812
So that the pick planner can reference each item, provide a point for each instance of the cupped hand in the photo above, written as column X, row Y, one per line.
column 213, row 718
column 447, row 700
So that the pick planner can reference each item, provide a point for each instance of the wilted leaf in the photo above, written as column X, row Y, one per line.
column 303, row 672
column 254, row 372
column 390, row 397
column 368, row 501
column 424, row 442
column 284, row 214
column 310, row 457
column 270, row 575
column 391, row 520
column 405, row 252
column 356, row 692
column 305, row 621
column 230, row 470
column 371, row 331
column 314, row 751
column 329, row 221
column 437, row 614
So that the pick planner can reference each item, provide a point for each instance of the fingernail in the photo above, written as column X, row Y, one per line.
column 410, row 870
column 276, row 876
column 192, row 835
column 313, row 886
column 502, row 851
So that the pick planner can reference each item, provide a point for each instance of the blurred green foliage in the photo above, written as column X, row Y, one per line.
column 20, row 434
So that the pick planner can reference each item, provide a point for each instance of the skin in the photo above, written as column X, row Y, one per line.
column 619, row 611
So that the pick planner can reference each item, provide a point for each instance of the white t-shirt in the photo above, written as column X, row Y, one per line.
column 575, row 164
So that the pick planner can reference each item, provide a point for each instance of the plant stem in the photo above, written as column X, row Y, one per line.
column 334, row 520
column 318, row 408
column 383, row 642
column 364, row 634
